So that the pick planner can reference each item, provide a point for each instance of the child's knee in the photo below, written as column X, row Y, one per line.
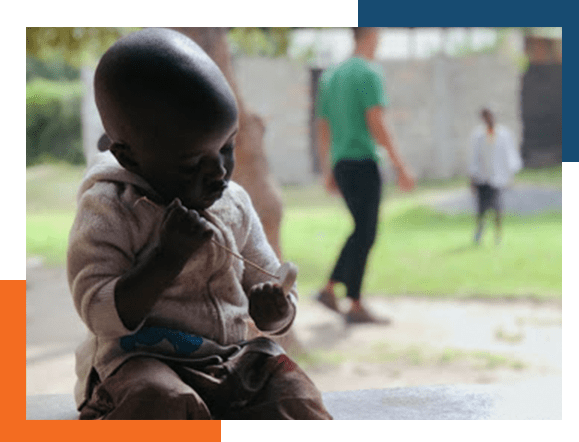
column 302, row 409
column 153, row 391
column 148, row 389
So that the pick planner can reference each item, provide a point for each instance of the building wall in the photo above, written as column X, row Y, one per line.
column 434, row 107
column 278, row 90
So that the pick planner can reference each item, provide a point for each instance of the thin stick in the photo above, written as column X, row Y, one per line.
column 227, row 249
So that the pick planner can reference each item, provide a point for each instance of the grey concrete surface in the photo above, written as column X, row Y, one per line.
column 51, row 407
column 536, row 399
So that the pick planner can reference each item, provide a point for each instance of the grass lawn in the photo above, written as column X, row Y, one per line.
column 50, row 208
column 417, row 251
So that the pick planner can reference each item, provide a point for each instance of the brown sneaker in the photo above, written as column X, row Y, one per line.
column 328, row 300
column 363, row 316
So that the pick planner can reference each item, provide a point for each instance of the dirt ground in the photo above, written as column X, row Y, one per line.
column 431, row 342
column 428, row 342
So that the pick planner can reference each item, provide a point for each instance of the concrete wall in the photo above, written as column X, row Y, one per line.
column 278, row 90
column 434, row 107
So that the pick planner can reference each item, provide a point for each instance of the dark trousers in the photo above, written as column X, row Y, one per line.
column 360, row 185
column 257, row 382
column 488, row 197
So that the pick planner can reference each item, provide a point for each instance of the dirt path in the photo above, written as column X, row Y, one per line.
column 429, row 342
column 432, row 342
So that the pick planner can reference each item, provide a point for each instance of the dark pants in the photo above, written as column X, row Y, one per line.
column 257, row 382
column 360, row 185
column 488, row 197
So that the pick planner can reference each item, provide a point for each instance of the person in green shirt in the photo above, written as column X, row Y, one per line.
column 350, row 111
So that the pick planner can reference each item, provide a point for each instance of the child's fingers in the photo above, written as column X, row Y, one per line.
column 270, row 294
column 171, row 208
column 176, row 205
column 280, row 298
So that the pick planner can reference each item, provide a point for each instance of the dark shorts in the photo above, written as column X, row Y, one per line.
column 258, row 382
column 488, row 197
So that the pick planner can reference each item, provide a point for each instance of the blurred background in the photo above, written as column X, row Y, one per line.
column 460, row 313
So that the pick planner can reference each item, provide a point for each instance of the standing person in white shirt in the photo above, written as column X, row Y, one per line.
column 494, row 161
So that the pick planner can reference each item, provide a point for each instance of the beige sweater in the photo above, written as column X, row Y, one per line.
column 114, row 225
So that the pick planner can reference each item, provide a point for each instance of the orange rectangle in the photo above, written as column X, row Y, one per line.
column 14, row 406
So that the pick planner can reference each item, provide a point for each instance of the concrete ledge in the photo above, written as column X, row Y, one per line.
column 536, row 399
column 51, row 407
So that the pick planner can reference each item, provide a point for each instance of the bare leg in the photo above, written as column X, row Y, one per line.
column 479, row 228
column 498, row 227
column 356, row 305
column 330, row 287
column 327, row 296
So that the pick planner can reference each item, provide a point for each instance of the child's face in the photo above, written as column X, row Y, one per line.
column 192, row 167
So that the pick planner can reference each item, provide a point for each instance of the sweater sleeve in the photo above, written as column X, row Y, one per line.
column 257, row 249
column 100, row 251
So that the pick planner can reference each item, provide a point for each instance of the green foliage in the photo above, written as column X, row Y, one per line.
column 53, row 126
column 265, row 42
column 54, row 91
column 55, row 70
column 74, row 45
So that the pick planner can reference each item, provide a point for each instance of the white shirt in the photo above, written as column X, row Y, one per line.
column 494, row 159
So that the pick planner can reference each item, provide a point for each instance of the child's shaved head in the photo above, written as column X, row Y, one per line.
column 158, row 74
column 169, row 113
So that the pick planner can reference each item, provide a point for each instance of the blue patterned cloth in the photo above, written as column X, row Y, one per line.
column 183, row 343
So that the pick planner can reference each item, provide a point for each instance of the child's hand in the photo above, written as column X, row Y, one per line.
column 183, row 231
column 268, row 306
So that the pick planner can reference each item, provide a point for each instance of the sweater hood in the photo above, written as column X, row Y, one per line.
column 107, row 168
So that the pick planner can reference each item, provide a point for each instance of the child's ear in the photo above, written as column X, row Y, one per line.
column 124, row 156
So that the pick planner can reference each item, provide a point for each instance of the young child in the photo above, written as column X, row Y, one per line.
column 166, row 307
column 494, row 161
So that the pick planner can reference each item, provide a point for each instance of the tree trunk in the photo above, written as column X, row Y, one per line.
column 251, row 167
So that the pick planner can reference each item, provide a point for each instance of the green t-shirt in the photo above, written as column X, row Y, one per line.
column 346, row 92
